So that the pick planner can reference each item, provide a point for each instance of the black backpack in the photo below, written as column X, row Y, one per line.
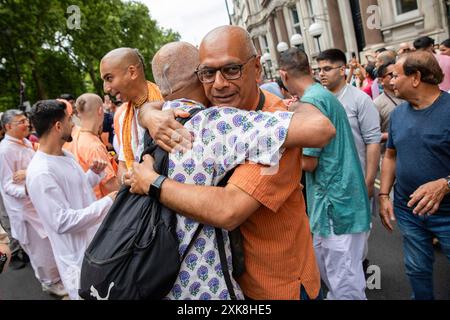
column 135, row 252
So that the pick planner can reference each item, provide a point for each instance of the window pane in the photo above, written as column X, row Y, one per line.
column 295, row 16
column 404, row 6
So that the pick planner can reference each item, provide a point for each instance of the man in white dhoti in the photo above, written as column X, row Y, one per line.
column 62, row 192
column 16, row 153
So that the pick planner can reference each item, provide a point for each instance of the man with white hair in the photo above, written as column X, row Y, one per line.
column 16, row 153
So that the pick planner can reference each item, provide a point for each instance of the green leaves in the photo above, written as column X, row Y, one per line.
column 37, row 45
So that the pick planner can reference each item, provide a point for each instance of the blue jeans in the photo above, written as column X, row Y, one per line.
column 305, row 296
column 418, row 233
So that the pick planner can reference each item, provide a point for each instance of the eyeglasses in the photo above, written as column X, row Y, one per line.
column 23, row 121
column 327, row 68
column 231, row 71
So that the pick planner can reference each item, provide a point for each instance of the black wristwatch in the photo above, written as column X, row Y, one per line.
column 155, row 188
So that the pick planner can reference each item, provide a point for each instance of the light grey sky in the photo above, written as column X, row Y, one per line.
column 191, row 19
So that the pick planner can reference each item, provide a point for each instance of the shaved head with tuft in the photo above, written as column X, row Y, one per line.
column 174, row 66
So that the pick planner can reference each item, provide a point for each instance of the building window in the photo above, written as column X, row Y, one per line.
column 404, row 6
column 265, row 45
column 295, row 21
column 310, row 8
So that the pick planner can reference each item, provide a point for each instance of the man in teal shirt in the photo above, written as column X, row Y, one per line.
column 338, row 204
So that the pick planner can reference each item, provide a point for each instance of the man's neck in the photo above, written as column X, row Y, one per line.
column 90, row 126
column 301, row 85
column 12, row 135
column 141, row 91
column 425, row 98
column 51, row 145
column 339, row 87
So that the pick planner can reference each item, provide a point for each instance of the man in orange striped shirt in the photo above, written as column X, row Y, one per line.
column 270, row 209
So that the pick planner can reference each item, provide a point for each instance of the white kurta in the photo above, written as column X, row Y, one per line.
column 26, row 225
column 62, row 195
column 15, row 155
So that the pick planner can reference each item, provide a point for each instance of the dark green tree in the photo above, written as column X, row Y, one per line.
column 37, row 45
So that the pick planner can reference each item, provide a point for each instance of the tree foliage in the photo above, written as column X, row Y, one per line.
column 37, row 45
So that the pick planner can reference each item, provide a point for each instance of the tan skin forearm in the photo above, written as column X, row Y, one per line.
column 225, row 208
column 388, row 171
column 372, row 161
column 122, row 168
column 309, row 128
column 309, row 164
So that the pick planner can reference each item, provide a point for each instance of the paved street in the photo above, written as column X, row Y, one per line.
column 385, row 250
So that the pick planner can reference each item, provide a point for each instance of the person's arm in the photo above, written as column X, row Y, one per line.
column 373, row 152
column 52, row 206
column 387, row 181
column 384, row 136
column 369, row 124
column 6, row 175
column 96, row 172
column 121, row 170
column 309, row 164
column 109, row 182
column 162, row 126
column 308, row 128
column 223, row 207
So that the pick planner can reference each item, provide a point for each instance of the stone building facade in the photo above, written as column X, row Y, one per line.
column 354, row 26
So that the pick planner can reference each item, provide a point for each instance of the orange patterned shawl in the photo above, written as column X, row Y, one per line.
column 153, row 95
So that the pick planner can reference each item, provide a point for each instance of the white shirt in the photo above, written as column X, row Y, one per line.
column 16, row 155
column 62, row 195
column 136, row 144
column 363, row 117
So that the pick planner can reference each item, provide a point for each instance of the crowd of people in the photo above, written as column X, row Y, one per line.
column 337, row 126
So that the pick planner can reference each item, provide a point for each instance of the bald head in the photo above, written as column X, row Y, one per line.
column 174, row 66
column 231, row 38
column 123, row 58
column 88, row 104
column 386, row 57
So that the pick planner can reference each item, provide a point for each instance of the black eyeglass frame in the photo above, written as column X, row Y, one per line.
column 214, row 70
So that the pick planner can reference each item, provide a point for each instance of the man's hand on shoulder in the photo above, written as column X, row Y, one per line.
column 168, row 133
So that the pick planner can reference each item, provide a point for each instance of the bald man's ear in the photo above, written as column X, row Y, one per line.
column 258, row 67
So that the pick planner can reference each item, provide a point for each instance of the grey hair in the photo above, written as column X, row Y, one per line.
column 9, row 115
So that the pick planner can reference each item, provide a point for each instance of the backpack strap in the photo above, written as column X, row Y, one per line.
column 224, row 263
